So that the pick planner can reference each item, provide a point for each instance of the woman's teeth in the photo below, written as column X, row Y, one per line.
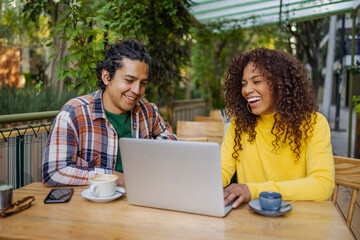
column 251, row 100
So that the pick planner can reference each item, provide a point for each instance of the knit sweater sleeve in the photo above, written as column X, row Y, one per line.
column 318, row 184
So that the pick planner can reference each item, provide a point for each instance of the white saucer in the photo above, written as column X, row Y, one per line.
column 119, row 192
column 255, row 205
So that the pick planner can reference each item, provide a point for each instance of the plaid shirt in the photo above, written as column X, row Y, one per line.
column 83, row 143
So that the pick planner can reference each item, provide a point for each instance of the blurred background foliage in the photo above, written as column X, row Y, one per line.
column 26, row 99
column 67, row 37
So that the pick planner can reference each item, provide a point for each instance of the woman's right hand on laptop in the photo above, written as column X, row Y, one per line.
column 239, row 192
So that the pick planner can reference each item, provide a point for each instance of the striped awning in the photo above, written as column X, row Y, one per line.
column 259, row 12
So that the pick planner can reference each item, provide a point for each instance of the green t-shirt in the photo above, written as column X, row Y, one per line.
column 122, row 125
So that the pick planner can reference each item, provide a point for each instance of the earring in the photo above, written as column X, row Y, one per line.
column 248, row 108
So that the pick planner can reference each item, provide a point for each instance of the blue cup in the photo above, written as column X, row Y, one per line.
column 270, row 201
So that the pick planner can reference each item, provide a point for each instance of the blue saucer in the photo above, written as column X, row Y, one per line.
column 255, row 205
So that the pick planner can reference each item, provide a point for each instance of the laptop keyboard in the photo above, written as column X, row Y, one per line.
column 229, row 206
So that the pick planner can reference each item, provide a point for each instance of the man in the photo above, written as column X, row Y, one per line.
column 84, row 139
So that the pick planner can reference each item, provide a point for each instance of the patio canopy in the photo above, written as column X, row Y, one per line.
column 259, row 12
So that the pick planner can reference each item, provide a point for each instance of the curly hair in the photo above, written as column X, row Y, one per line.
column 293, row 98
column 113, row 58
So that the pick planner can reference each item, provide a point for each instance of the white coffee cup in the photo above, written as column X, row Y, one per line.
column 103, row 185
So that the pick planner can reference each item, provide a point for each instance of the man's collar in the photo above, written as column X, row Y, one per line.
column 98, row 106
column 137, row 107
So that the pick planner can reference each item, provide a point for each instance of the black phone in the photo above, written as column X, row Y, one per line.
column 59, row 195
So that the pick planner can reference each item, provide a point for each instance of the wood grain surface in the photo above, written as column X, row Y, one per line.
column 83, row 219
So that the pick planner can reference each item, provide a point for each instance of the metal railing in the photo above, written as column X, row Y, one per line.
column 22, row 117
column 22, row 148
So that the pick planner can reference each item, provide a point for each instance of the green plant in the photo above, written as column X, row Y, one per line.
column 85, row 45
column 29, row 99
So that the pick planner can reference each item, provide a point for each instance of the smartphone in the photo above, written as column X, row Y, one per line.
column 59, row 195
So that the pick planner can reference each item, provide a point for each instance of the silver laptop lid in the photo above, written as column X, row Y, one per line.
column 175, row 175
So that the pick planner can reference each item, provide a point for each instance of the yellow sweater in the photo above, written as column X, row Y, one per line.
column 262, row 169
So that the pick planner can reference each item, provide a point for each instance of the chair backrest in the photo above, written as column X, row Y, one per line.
column 347, row 174
column 193, row 139
column 207, row 119
column 213, row 131
column 215, row 114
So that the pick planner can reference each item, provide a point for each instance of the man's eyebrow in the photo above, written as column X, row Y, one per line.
column 130, row 76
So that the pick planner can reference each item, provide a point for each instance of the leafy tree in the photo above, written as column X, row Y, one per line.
column 18, row 35
column 87, row 26
column 308, row 36
column 14, row 29
column 8, row 24
column 75, row 42
column 34, row 10
column 163, row 26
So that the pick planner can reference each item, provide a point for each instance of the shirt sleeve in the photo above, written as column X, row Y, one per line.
column 61, row 163
column 228, row 164
column 320, row 174
column 162, row 129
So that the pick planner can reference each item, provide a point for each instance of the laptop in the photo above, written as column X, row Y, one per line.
column 174, row 175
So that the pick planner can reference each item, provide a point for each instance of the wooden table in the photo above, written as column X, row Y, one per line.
column 83, row 219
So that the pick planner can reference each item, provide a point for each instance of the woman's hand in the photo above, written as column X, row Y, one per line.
column 239, row 191
column 121, row 180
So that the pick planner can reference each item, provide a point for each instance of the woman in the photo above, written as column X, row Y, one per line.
column 277, row 140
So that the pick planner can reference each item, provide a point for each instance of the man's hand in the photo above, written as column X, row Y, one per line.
column 121, row 180
column 239, row 191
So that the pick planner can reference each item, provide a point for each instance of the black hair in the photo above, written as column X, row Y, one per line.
column 113, row 58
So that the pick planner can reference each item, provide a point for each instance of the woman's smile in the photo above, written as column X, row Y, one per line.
column 256, row 90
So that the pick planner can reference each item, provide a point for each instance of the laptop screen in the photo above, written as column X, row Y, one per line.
column 176, row 175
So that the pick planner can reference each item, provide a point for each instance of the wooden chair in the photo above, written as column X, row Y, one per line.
column 347, row 174
column 213, row 131
column 193, row 139
column 207, row 119
column 215, row 113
